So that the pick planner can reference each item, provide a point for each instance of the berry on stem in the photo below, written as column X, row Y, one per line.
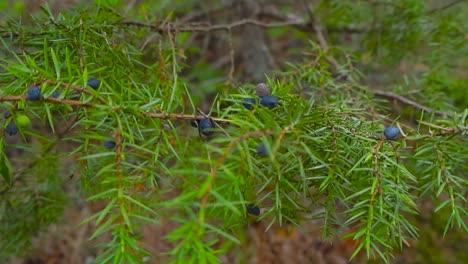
column 33, row 93
column 269, row 101
column 391, row 132
column 206, row 126
column 11, row 129
column 262, row 149
column 253, row 209
column 93, row 83
column 248, row 103
column 262, row 90
column 56, row 94
column 23, row 121
column 109, row 144
column 6, row 114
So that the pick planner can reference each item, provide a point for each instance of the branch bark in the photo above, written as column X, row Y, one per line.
column 406, row 101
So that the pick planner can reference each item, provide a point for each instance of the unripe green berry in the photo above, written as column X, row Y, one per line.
column 22, row 121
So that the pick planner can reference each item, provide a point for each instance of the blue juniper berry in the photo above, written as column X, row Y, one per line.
column 33, row 93
column 248, row 103
column 206, row 126
column 391, row 132
column 93, row 83
column 269, row 101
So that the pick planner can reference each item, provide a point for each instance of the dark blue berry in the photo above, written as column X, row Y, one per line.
column 248, row 103
column 11, row 129
column 269, row 101
column 56, row 94
column 6, row 114
column 93, row 83
column 262, row 149
column 33, row 93
column 391, row 132
column 109, row 144
column 262, row 90
column 253, row 209
column 206, row 126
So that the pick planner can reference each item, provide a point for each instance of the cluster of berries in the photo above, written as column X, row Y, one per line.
column 206, row 125
column 21, row 121
column 34, row 94
column 263, row 92
column 390, row 133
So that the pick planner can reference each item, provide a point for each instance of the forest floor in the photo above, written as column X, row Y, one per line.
column 67, row 242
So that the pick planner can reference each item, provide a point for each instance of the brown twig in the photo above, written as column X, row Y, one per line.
column 12, row 98
column 231, row 57
column 404, row 100
column 437, row 9
column 321, row 38
column 15, row 98
column 118, row 158
column 199, row 27
column 443, row 131
column 75, row 87
column 68, row 102
column 283, row 21
column 163, row 115
column 377, row 174
column 209, row 27
column 174, row 66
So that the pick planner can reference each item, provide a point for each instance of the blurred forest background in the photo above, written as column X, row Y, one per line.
column 416, row 49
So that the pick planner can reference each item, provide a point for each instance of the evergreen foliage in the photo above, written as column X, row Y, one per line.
column 323, row 150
